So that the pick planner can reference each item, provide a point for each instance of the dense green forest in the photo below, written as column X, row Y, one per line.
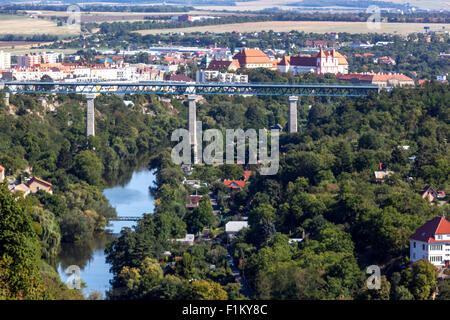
column 324, row 188
column 48, row 136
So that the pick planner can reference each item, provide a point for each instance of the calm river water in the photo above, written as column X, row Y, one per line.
column 130, row 199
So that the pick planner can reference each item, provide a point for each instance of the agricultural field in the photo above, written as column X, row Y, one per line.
column 99, row 17
column 21, row 25
column 285, row 4
column 306, row 26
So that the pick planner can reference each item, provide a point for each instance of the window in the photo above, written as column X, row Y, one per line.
column 423, row 247
column 414, row 255
column 414, row 244
column 439, row 236
column 435, row 258
column 435, row 247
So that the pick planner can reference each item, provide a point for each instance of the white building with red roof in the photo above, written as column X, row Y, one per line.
column 432, row 242
column 36, row 184
column 249, row 58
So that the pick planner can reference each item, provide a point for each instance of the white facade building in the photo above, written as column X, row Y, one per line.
column 5, row 60
column 432, row 242
column 214, row 75
column 36, row 74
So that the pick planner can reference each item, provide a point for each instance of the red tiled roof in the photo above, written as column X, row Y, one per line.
column 423, row 81
column 220, row 64
column 40, row 181
column 385, row 77
column 373, row 77
column 234, row 183
column 437, row 225
column 247, row 174
column 180, row 77
column 195, row 199
column 253, row 56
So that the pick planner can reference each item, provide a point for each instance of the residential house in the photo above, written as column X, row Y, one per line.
column 432, row 242
column 218, row 65
column 428, row 193
column 180, row 78
column 247, row 174
column 381, row 176
column 233, row 227
column 316, row 43
column 187, row 168
column 234, row 184
column 21, row 188
column 214, row 75
column 36, row 184
column 194, row 200
column 193, row 183
column 441, row 194
column 188, row 239
column 385, row 60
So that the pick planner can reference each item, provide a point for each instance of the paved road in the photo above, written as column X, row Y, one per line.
column 237, row 276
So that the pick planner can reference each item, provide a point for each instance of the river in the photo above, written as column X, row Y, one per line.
column 131, row 198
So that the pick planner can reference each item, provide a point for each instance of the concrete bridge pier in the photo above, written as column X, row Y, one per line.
column 192, row 125
column 90, row 115
column 6, row 98
column 292, row 123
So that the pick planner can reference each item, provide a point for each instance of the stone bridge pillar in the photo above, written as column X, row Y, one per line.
column 90, row 115
column 292, row 123
column 192, row 125
column 6, row 98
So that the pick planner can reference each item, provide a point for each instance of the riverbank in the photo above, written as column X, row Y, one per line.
column 129, row 198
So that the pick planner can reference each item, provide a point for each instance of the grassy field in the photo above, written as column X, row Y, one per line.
column 306, row 26
column 15, row 24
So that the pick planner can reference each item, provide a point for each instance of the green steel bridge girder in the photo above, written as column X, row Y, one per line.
column 183, row 88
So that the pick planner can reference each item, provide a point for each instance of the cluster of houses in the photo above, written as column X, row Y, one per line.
column 220, row 65
column 31, row 185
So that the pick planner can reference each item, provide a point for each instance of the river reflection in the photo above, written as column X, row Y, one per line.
column 132, row 198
